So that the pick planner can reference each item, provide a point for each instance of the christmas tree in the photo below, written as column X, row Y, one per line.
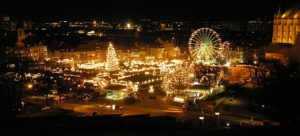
column 112, row 63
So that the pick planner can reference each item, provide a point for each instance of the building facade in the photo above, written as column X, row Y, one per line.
column 286, row 26
column 36, row 53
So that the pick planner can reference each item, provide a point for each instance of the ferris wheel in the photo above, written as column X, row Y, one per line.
column 205, row 45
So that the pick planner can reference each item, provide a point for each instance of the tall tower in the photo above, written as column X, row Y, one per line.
column 112, row 62
column 286, row 26
column 20, row 31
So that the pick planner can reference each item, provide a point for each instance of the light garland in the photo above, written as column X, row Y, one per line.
column 177, row 78
column 112, row 62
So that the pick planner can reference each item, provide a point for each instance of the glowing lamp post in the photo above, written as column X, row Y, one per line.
column 113, row 107
column 128, row 25
column 218, row 117
column 23, row 104
column 201, row 118
column 227, row 124
column 29, row 86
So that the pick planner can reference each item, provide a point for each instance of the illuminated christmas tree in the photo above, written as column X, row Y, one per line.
column 112, row 63
column 177, row 78
column 168, row 82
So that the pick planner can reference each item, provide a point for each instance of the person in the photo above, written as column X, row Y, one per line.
column 94, row 113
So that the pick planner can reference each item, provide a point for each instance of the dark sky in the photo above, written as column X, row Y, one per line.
column 135, row 9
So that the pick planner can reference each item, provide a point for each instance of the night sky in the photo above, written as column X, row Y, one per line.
column 135, row 9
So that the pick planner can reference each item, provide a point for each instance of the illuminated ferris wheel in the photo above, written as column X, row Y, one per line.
column 205, row 45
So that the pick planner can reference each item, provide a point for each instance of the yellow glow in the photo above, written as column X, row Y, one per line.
column 284, row 15
column 29, row 86
column 178, row 99
column 227, row 64
column 151, row 90
column 128, row 25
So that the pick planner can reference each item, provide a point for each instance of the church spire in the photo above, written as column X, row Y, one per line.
column 279, row 12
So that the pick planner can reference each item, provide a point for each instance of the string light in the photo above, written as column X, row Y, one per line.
column 112, row 62
column 177, row 78
column 151, row 90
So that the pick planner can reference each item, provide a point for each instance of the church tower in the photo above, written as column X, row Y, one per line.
column 20, row 32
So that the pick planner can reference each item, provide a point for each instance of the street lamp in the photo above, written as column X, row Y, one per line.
column 113, row 107
column 201, row 118
column 262, row 108
column 228, row 124
column 23, row 104
column 218, row 117
column 128, row 25
column 29, row 86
